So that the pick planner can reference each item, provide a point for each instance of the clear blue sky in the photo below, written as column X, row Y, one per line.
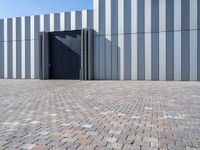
column 16, row 8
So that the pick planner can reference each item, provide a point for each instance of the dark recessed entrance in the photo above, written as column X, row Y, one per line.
column 67, row 55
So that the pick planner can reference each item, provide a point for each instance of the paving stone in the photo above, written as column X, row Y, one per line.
column 28, row 146
column 131, row 147
column 86, row 147
column 84, row 141
column 99, row 143
column 40, row 147
column 192, row 148
column 100, row 114
column 109, row 139
column 115, row 145
column 68, row 140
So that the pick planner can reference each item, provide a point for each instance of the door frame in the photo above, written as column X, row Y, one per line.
column 87, row 54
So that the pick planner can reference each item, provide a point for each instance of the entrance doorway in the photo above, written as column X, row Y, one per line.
column 67, row 55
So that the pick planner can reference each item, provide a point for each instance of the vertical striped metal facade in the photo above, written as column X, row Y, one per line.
column 133, row 40
column 147, row 39
column 19, row 49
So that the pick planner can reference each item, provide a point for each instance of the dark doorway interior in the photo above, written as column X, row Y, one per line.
column 65, row 55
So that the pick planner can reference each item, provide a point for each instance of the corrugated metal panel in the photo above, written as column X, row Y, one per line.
column 78, row 23
column 177, row 15
column 155, row 57
column 141, row 57
column 185, row 55
column 52, row 23
column 127, row 57
column 32, row 48
column 96, row 16
column 18, row 60
column 46, row 23
column 148, row 51
column 148, row 15
column 155, row 16
column 27, row 60
column 108, row 57
column 96, row 57
column 162, row 40
column 67, row 21
column 114, row 19
column 9, row 29
column 170, row 15
column 27, row 28
column 1, row 31
column 177, row 55
column 140, row 16
column 1, row 59
column 162, row 15
column 36, row 48
column 169, row 56
column 134, row 14
column 121, row 38
column 198, row 56
column 36, row 26
column 193, row 55
column 108, row 17
column 84, row 19
column 134, row 58
column 127, row 16
column 101, row 17
column 73, row 20
column 90, row 19
column 198, row 10
column 23, row 56
column 102, row 61
column 121, row 55
column 18, row 29
column 134, row 54
column 185, row 14
column 162, row 56
column 14, row 46
column 193, row 14
column 5, row 49
column 10, row 60
column 62, row 21
column 37, row 59
column 57, row 22
column 115, row 56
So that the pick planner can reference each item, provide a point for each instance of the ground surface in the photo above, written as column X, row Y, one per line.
column 97, row 115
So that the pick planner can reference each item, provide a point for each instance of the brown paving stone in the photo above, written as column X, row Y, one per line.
column 84, row 141
column 40, row 147
column 99, row 143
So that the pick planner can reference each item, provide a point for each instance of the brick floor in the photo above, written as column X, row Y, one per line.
column 97, row 115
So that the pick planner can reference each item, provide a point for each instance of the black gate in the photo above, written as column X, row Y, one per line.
column 67, row 55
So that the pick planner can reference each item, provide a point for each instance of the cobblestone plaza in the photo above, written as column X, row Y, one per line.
column 129, row 115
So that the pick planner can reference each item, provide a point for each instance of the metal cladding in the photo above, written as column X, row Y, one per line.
column 133, row 40
column 147, row 39
column 19, row 45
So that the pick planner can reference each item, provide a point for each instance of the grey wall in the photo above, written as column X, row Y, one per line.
column 147, row 39
column 19, row 52
column 134, row 39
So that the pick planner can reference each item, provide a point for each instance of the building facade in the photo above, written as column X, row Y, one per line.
column 133, row 40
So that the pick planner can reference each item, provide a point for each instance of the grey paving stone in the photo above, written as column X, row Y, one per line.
column 124, row 114
column 27, row 146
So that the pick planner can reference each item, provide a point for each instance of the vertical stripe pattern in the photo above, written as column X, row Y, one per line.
column 133, row 40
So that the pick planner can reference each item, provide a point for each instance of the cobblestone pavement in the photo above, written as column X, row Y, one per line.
column 100, row 115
